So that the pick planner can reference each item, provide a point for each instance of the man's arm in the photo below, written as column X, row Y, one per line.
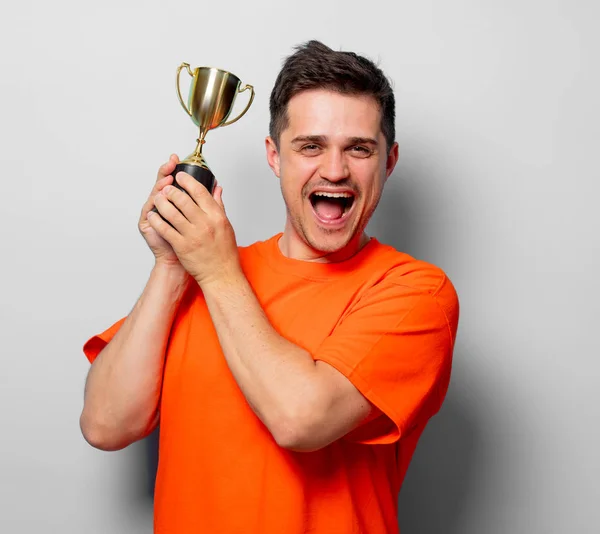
column 305, row 404
column 123, row 386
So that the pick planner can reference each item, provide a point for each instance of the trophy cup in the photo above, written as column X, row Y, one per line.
column 211, row 98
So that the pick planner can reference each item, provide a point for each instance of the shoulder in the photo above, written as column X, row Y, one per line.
column 401, row 276
column 257, row 248
column 254, row 256
column 401, row 269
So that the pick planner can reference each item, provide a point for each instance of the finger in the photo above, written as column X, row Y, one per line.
column 168, row 167
column 161, row 184
column 183, row 202
column 197, row 191
column 163, row 228
column 170, row 213
column 158, row 186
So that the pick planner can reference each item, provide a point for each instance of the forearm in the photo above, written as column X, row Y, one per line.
column 278, row 378
column 124, row 383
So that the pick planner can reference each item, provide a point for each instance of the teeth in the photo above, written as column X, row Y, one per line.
column 332, row 195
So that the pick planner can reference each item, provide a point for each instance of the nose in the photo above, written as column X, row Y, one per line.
column 334, row 166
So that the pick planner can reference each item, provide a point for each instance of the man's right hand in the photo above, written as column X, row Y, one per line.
column 163, row 252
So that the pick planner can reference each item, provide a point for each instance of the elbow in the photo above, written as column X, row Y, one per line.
column 300, row 430
column 99, row 436
column 111, row 437
column 287, row 435
column 297, row 443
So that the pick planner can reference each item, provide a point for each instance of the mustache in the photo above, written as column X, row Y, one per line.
column 342, row 185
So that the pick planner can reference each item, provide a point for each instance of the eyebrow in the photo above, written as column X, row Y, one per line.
column 323, row 139
column 309, row 139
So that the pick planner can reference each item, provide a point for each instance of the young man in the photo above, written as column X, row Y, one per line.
column 292, row 378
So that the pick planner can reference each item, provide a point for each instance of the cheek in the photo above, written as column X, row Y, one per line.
column 370, row 180
column 291, row 189
column 296, row 174
column 305, row 168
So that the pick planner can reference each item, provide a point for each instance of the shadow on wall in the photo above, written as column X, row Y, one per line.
column 151, row 449
column 142, row 471
column 438, row 485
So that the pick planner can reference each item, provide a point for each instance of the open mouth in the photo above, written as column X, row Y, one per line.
column 331, row 207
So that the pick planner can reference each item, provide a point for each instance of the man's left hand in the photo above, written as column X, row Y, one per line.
column 201, row 234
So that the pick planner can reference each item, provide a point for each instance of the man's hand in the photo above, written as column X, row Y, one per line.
column 201, row 235
column 162, row 250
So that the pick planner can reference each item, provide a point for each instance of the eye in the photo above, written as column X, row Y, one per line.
column 310, row 149
column 360, row 151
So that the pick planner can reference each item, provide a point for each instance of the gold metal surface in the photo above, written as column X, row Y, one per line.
column 187, row 66
column 210, row 102
column 196, row 157
column 247, row 106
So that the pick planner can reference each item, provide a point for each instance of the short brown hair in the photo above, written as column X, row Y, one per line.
column 316, row 66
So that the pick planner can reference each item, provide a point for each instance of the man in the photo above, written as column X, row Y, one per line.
column 292, row 378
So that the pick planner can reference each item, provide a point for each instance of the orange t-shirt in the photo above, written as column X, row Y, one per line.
column 383, row 319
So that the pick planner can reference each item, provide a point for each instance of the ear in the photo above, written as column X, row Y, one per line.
column 273, row 156
column 392, row 159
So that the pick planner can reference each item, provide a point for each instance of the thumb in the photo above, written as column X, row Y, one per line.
column 218, row 196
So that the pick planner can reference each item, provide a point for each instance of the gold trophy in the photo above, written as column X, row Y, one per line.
column 211, row 98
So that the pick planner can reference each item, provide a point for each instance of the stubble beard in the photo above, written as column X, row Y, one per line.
column 297, row 223
column 326, row 246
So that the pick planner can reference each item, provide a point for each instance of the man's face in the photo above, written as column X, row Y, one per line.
column 332, row 163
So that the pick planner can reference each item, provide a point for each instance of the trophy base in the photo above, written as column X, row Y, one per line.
column 200, row 174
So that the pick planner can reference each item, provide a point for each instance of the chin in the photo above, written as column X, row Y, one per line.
column 329, row 242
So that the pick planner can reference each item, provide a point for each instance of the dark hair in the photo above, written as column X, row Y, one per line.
column 316, row 66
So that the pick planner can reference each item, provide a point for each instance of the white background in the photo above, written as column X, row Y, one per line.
column 499, row 127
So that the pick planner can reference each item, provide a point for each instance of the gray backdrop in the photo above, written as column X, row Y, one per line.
column 498, row 124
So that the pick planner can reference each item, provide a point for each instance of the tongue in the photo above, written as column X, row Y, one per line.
column 329, row 209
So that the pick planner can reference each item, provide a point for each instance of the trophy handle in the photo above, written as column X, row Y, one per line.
column 187, row 66
column 247, row 106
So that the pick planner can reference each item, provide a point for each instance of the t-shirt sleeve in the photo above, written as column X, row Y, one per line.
column 95, row 344
column 395, row 345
